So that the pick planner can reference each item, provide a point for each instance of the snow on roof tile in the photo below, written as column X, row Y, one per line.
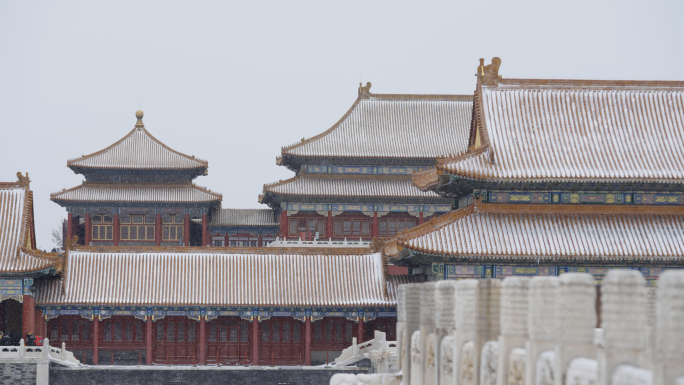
column 551, row 231
column 395, row 126
column 578, row 130
column 219, row 279
column 348, row 187
column 138, row 150
column 243, row 217
column 16, row 224
column 136, row 193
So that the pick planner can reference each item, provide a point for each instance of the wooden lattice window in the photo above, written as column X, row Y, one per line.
column 140, row 228
column 172, row 231
column 389, row 227
column 103, row 228
column 352, row 227
column 309, row 226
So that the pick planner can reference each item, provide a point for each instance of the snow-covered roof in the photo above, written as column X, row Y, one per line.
column 138, row 150
column 394, row 126
column 343, row 186
column 243, row 217
column 218, row 279
column 17, row 240
column 94, row 192
column 575, row 130
column 580, row 232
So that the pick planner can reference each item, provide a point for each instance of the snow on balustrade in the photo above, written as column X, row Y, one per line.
column 669, row 351
column 514, row 304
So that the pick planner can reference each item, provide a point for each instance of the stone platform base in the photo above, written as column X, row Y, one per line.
column 200, row 375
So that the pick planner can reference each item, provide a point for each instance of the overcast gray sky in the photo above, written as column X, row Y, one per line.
column 233, row 82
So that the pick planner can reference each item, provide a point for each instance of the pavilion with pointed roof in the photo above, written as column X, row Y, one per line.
column 353, row 181
column 138, row 192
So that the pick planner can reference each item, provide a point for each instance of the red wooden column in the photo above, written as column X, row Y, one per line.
column 158, row 230
column 420, row 218
column 186, row 230
column 205, row 235
column 260, row 242
column 96, row 340
column 116, row 230
column 374, row 225
column 70, row 226
column 40, row 323
column 88, row 230
column 283, row 225
column 307, row 342
column 28, row 316
column 148, row 341
column 329, row 225
column 359, row 337
column 202, row 354
column 255, row 341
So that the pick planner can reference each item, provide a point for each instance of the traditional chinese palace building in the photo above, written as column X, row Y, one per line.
column 559, row 176
column 21, row 264
column 136, row 280
column 138, row 192
column 353, row 181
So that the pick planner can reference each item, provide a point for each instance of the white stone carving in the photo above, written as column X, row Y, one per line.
column 428, row 299
column 582, row 371
column 468, row 373
column 412, row 301
column 669, row 350
column 623, row 318
column 489, row 361
column 516, row 367
column 446, row 375
column 577, row 320
column 430, row 376
column 514, row 309
column 544, row 373
column 416, row 360
column 630, row 375
column 401, row 323
column 542, row 323
column 365, row 379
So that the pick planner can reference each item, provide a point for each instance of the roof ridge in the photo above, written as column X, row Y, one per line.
column 285, row 149
column 456, row 97
column 71, row 162
column 297, row 251
column 591, row 82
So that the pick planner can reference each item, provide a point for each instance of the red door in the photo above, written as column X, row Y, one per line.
column 175, row 340
column 229, row 341
column 281, row 341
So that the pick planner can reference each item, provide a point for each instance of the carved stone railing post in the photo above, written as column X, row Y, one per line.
column 514, row 311
column 623, row 318
column 416, row 360
column 669, row 351
column 489, row 327
column 466, row 332
column 429, row 346
column 445, row 315
column 576, row 312
column 401, row 323
column 412, row 307
column 542, row 328
column 46, row 348
column 22, row 349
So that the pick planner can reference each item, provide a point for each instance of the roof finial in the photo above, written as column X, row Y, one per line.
column 364, row 92
column 139, row 115
column 489, row 74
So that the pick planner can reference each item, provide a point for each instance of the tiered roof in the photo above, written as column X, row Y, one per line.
column 386, row 126
column 18, row 252
column 574, row 233
column 348, row 186
column 243, row 217
column 228, row 277
column 138, row 150
column 571, row 130
column 95, row 192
